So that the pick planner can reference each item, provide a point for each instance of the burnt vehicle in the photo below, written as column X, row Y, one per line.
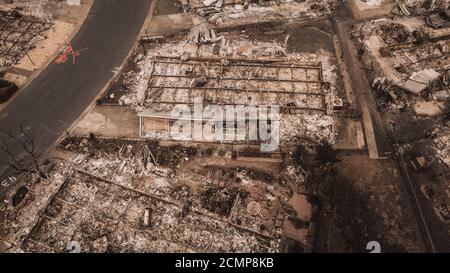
column 439, row 19
column 7, row 90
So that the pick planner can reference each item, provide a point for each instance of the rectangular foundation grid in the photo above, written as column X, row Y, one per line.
column 238, row 82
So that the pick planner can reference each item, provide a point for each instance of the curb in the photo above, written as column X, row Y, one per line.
column 107, row 85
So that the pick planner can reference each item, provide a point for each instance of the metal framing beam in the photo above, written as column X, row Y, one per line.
column 245, row 63
column 239, row 79
column 283, row 108
column 235, row 90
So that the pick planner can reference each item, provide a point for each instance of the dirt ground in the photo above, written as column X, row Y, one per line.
column 109, row 121
column 382, row 181
column 374, row 208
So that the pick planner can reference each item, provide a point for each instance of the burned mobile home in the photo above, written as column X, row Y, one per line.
column 231, row 70
column 247, row 84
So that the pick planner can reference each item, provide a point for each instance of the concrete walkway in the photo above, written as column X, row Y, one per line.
column 378, row 143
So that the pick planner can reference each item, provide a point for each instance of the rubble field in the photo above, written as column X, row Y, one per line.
column 234, row 69
column 407, row 60
column 141, row 197
column 227, row 13
column 367, row 9
column 399, row 47
column 409, row 64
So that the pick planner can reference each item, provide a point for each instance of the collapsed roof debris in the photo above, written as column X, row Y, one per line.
column 149, row 194
column 120, row 200
column 405, row 54
column 419, row 81
column 202, row 34
column 30, row 7
column 439, row 19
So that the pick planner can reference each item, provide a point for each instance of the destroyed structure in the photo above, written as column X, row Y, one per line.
column 131, row 198
column 118, row 182
column 141, row 196
column 408, row 62
column 234, row 71
column 235, row 12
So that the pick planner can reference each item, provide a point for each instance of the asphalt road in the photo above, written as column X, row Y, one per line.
column 60, row 94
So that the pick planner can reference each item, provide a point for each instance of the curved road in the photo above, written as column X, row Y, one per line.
column 60, row 94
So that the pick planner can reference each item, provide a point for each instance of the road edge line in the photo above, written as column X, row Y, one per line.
column 107, row 85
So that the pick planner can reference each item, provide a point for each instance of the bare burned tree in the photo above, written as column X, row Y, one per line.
column 30, row 163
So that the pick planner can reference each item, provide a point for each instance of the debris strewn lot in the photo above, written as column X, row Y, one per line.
column 120, row 183
column 406, row 57
column 131, row 198
column 231, row 12
column 233, row 69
